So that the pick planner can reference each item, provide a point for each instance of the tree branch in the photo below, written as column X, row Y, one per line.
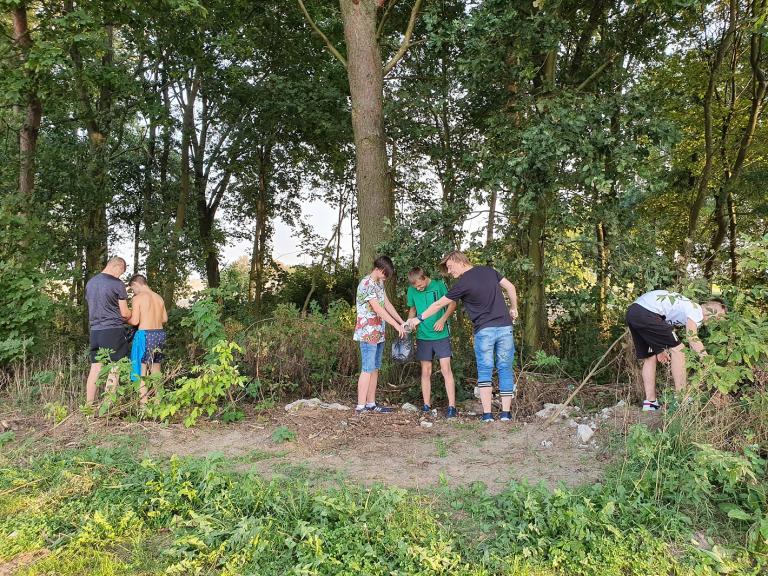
column 319, row 32
column 596, row 73
column 406, row 43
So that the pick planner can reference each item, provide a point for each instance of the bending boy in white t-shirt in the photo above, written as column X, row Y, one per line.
column 651, row 319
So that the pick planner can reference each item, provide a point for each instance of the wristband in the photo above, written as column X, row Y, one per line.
column 419, row 317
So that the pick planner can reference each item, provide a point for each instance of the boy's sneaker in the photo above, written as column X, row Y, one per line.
column 506, row 416
column 487, row 417
column 360, row 411
column 379, row 409
column 426, row 409
column 651, row 406
column 452, row 412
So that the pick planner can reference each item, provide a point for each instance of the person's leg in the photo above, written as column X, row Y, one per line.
column 505, row 362
column 484, row 340
column 426, row 381
column 90, row 383
column 649, row 378
column 142, row 386
column 373, row 381
column 113, row 380
column 450, row 385
column 367, row 366
column 679, row 374
column 363, row 381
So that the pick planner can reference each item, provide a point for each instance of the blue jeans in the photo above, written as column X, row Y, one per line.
column 371, row 356
column 496, row 343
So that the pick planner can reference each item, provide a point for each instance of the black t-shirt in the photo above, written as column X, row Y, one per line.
column 479, row 290
column 102, row 293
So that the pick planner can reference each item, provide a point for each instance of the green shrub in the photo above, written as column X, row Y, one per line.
column 308, row 353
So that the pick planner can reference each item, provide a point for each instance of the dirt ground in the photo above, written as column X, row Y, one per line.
column 393, row 449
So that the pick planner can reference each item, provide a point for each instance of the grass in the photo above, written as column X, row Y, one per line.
column 108, row 511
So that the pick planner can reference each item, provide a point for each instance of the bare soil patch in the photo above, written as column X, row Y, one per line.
column 393, row 449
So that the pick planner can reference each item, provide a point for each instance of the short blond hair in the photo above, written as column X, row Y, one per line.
column 455, row 256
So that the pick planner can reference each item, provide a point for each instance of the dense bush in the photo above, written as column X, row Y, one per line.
column 305, row 354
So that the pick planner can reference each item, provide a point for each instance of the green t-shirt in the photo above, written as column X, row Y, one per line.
column 423, row 299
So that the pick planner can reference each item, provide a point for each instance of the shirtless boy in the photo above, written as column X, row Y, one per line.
column 149, row 314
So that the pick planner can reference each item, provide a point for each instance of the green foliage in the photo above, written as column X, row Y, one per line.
column 24, row 304
column 55, row 412
column 283, row 434
column 102, row 511
column 293, row 352
column 6, row 437
column 201, row 393
column 205, row 320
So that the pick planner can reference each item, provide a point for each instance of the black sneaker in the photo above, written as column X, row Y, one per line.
column 379, row 409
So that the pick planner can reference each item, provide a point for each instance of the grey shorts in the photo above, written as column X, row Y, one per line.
column 426, row 350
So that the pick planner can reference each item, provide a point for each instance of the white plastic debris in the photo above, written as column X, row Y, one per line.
column 425, row 424
column 584, row 433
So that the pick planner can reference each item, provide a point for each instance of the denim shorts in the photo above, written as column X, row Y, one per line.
column 371, row 355
column 496, row 345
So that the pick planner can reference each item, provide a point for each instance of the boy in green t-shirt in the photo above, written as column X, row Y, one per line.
column 433, row 337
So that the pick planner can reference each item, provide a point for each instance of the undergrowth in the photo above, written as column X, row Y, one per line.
column 105, row 511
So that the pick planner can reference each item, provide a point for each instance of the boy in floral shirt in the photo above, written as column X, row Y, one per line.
column 373, row 309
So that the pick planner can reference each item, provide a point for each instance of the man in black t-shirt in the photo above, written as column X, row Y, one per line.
column 107, row 311
column 480, row 290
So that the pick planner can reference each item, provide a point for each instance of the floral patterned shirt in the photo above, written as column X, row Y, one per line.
column 369, row 327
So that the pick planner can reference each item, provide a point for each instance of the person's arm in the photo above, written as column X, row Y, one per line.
column 509, row 288
column 391, row 309
column 125, row 312
column 412, row 312
column 134, row 316
column 449, row 310
column 434, row 308
column 386, row 316
column 693, row 337
column 165, row 314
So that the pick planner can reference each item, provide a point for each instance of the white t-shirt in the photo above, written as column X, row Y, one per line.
column 675, row 308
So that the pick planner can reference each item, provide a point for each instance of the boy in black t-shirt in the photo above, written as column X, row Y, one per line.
column 480, row 289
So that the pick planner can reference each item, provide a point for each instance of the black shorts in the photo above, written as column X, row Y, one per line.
column 650, row 332
column 118, row 340
column 428, row 349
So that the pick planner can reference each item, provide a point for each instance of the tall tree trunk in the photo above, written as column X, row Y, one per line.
column 173, row 271
column 603, row 279
column 489, row 230
column 534, row 304
column 732, row 237
column 703, row 181
column 34, row 110
column 364, row 68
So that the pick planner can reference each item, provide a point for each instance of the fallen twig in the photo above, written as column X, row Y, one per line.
column 592, row 372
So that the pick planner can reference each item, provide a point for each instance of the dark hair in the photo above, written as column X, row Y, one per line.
column 416, row 273
column 384, row 263
column 138, row 279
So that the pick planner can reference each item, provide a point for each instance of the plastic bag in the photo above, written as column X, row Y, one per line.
column 402, row 349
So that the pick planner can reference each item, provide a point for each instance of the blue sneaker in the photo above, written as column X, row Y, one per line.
column 452, row 412
column 426, row 408
column 487, row 417
column 506, row 416
column 379, row 409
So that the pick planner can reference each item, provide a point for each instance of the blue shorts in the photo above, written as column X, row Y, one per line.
column 496, row 344
column 371, row 356
column 428, row 349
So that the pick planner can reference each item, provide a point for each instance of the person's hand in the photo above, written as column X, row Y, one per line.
column 513, row 313
column 414, row 322
column 400, row 330
column 663, row 357
column 439, row 325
